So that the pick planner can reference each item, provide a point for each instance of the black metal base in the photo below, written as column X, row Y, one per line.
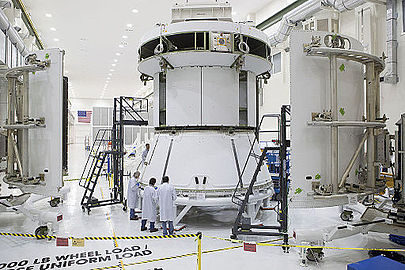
column 205, row 128
column 97, row 203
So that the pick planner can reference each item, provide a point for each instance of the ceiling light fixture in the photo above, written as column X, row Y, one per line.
column 135, row 10
column 48, row 15
column 121, row 46
column 112, row 70
column 52, row 29
column 113, row 65
column 56, row 39
column 109, row 74
column 118, row 54
column 115, row 60
column 129, row 25
column 124, row 37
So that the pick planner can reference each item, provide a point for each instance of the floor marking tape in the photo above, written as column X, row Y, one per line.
column 112, row 229
column 103, row 237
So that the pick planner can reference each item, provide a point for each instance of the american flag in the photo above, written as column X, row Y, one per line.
column 84, row 116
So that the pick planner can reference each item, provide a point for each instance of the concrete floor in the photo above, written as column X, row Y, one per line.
column 112, row 220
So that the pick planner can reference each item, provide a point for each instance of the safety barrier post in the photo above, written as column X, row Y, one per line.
column 199, row 237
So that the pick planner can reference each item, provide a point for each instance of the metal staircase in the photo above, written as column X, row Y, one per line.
column 109, row 145
column 88, row 201
column 103, row 137
column 243, row 226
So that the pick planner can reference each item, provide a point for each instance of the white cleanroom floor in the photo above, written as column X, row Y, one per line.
column 112, row 220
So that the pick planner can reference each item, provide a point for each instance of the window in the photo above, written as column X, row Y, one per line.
column 276, row 60
column 323, row 25
column 243, row 98
column 162, row 99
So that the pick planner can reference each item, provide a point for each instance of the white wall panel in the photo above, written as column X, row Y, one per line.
column 220, row 96
column 46, row 100
column 183, row 97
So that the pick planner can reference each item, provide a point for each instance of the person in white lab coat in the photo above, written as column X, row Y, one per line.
column 134, row 188
column 167, row 195
column 149, row 205
column 145, row 153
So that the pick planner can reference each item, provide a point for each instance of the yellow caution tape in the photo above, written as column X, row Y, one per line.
column 147, row 261
column 68, row 180
column 266, row 243
column 241, row 241
column 338, row 248
column 183, row 255
column 221, row 249
column 224, row 239
column 167, row 258
column 103, row 237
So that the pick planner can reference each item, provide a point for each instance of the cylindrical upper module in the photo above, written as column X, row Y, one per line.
column 204, row 72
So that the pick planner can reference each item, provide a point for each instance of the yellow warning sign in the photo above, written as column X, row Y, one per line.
column 78, row 242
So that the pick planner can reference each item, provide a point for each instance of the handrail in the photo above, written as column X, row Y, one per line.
column 240, row 180
column 91, row 153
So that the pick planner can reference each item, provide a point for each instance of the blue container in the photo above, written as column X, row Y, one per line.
column 397, row 239
column 379, row 262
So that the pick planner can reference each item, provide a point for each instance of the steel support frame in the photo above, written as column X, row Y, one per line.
column 372, row 113
column 123, row 108
column 334, row 129
column 285, row 109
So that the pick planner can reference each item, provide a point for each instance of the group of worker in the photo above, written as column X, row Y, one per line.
column 164, row 196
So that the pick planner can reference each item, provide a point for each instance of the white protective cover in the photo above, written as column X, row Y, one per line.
column 45, row 144
column 311, row 146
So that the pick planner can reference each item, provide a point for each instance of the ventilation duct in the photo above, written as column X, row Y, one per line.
column 12, row 34
column 306, row 11
column 392, row 43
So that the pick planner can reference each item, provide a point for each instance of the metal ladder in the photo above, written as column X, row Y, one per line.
column 238, row 194
column 88, row 201
column 243, row 228
column 102, row 139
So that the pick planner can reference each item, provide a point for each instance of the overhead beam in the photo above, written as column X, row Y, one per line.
column 279, row 15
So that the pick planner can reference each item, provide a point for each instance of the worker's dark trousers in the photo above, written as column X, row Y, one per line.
column 132, row 213
column 171, row 228
column 143, row 224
